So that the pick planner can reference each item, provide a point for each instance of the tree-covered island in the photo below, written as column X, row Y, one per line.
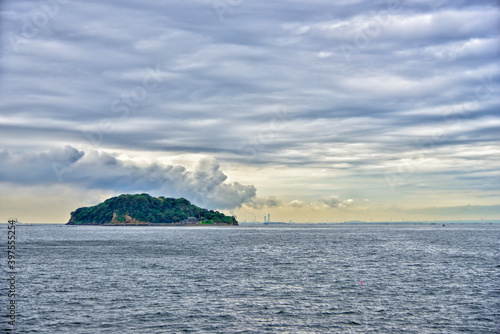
column 143, row 209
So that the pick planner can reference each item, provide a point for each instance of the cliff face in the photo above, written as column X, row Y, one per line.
column 144, row 209
column 128, row 220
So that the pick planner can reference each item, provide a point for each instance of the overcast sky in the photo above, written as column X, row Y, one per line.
column 307, row 110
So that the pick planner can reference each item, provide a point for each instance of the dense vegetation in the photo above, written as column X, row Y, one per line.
column 143, row 208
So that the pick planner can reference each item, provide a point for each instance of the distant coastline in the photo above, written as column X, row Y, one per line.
column 425, row 222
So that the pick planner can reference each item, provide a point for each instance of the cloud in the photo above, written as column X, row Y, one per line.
column 205, row 75
column 297, row 203
column 259, row 203
column 334, row 201
column 205, row 184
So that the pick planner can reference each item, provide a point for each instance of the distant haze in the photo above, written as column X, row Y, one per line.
column 304, row 110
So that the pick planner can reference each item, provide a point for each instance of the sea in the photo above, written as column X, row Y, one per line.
column 342, row 278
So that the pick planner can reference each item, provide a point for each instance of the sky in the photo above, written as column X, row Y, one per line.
column 310, row 111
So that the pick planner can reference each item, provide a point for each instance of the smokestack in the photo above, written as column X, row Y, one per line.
column 268, row 218
column 264, row 219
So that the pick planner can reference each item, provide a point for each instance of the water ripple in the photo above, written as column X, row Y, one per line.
column 255, row 280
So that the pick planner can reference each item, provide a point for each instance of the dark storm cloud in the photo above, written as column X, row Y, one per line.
column 205, row 184
column 364, row 83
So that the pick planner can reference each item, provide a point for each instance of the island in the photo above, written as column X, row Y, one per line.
column 143, row 209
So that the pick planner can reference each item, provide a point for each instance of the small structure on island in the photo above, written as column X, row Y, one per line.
column 191, row 221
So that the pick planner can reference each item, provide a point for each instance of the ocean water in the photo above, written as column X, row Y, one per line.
column 415, row 279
